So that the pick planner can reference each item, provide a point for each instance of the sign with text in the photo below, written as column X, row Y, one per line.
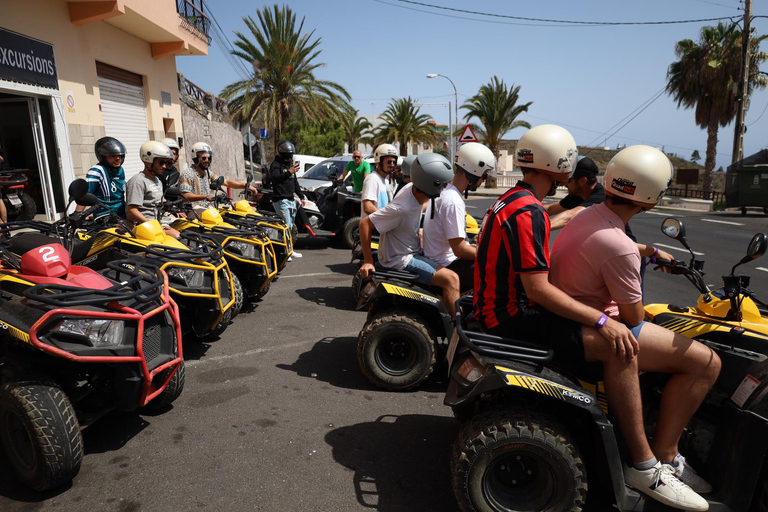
column 27, row 60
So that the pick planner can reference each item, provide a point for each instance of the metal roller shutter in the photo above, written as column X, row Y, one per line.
column 125, row 118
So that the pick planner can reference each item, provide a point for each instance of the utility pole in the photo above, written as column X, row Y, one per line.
column 738, row 129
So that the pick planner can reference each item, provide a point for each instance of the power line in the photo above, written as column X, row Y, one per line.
column 227, row 47
column 642, row 106
column 563, row 22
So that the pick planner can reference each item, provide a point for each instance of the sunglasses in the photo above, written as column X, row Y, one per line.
column 205, row 158
column 357, row 157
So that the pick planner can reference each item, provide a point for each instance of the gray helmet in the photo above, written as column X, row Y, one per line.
column 406, row 165
column 108, row 146
column 431, row 173
column 285, row 150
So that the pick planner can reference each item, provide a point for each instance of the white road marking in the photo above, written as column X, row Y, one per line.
column 310, row 275
column 470, row 206
column 655, row 244
column 662, row 214
column 723, row 222
column 762, row 268
column 256, row 351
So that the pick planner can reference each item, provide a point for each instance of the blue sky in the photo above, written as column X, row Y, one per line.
column 585, row 78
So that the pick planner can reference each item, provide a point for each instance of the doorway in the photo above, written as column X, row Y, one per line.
column 27, row 141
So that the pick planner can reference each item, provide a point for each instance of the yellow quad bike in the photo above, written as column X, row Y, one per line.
column 242, row 215
column 200, row 280
column 248, row 252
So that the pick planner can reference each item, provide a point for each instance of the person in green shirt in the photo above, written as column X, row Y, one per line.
column 359, row 168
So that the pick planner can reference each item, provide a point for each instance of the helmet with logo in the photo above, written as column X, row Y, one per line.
column 171, row 143
column 153, row 149
column 384, row 150
column 286, row 150
column 106, row 146
column 201, row 147
column 407, row 161
column 640, row 174
column 475, row 160
column 431, row 173
column 549, row 149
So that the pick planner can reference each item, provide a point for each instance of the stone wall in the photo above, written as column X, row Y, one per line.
column 82, row 137
column 226, row 142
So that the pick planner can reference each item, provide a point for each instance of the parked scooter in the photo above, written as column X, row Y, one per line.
column 18, row 204
column 74, row 345
column 537, row 437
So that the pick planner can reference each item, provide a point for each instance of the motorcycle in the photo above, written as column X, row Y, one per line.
column 18, row 204
column 340, row 209
column 537, row 437
column 75, row 344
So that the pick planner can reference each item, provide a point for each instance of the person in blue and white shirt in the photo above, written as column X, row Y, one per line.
column 106, row 180
column 378, row 187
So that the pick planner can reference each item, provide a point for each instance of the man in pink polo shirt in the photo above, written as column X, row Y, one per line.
column 596, row 263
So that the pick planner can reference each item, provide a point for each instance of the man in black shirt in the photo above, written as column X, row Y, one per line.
column 583, row 191
column 282, row 178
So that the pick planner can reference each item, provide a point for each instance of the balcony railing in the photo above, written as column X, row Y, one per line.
column 193, row 18
column 193, row 91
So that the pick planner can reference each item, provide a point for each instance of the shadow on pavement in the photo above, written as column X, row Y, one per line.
column 13, row 489
column 343, row 268
column 113, row 431
column 334, row 360
column 400, row 463
column 337, row 297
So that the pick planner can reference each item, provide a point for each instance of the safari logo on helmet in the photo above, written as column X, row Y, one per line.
column 525, row 156
column 624, row 186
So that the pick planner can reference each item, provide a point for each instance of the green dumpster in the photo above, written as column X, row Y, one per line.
column 746, row 183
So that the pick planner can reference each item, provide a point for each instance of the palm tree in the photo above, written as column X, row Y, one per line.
column 283, row 61
column 403, row 124
column 704, row 79
column 356, row 130
column 495, row 105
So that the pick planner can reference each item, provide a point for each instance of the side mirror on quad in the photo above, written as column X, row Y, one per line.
column 757, row 247
column 674, row 228
column 173, row 193
column 88, row 200
column 217, row 183
column 77, row 189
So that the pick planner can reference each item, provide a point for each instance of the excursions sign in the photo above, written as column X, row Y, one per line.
column 27, row 60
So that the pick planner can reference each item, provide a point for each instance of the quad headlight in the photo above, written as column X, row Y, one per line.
column 273, row 234
column 96, row 331
column 242, row 248
column 190, row 277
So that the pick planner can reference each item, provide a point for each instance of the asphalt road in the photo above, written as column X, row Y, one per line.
column 276, row 415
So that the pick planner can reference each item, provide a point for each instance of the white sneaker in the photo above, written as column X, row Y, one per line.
column 689, row 477
column 661, row 484
column 296, row 255
column 290, row 258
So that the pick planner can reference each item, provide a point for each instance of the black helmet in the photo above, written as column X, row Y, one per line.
column 285, row 150
column 108, row 146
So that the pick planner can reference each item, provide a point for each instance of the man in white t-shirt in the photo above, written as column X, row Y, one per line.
column 377, row 186
column 398, row 223
column 445, row 230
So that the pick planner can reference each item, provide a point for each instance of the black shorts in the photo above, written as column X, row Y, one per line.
column 466, row 272
column 539, row 325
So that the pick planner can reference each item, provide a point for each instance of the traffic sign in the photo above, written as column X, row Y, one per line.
column 263, row 133
column 468, row 135
column 249, row 140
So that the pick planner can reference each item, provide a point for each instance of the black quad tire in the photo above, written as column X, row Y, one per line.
column 226, row 319
column 396, row 351
column 40, row 434
column 348, row 231
column 239, row 296
column 507, row 459
column 264, row 290
column 357, row 284
column 171, row 392
column 28, row 208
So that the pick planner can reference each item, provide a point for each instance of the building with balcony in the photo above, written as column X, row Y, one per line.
column 74, row 71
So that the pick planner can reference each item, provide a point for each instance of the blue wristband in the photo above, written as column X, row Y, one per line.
column 601, row 322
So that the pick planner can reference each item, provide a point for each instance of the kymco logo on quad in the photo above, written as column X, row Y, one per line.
column 577, row 396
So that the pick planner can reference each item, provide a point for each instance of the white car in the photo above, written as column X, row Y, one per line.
column 322, row 173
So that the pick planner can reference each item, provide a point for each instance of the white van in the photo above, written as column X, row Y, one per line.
column 306, row 162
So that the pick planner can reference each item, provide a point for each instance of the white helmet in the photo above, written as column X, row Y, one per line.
column 548, row 148
column 475, row 159
column 171, row 143
column 431, row 173
column 201, row 147
column 384, row 150
column 153, row 149
column 640, row 174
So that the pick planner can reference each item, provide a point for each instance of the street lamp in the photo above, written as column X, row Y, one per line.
column 456, row 116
